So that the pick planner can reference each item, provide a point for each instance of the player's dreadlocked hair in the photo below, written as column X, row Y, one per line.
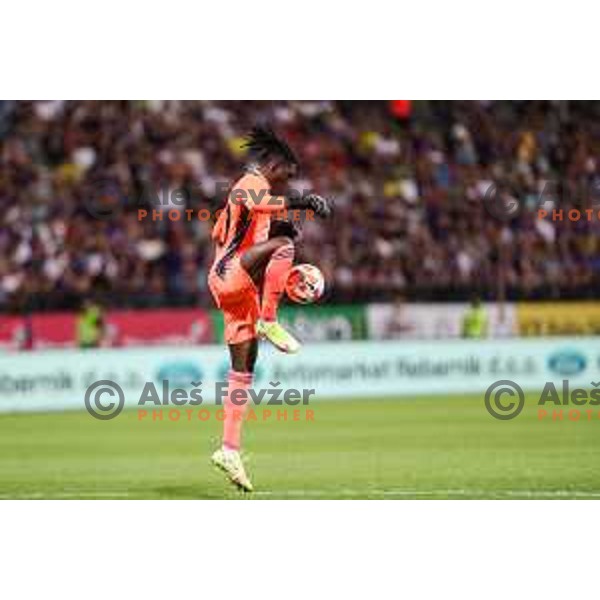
column 263, row 144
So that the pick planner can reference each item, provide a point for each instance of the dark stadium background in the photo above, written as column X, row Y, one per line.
column 408, row 179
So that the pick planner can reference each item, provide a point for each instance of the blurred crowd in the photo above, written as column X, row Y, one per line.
column 410, row 182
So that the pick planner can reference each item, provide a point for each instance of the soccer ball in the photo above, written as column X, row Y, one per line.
column 305, row 284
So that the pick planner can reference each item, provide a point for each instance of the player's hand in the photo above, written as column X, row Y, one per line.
column 319, row 204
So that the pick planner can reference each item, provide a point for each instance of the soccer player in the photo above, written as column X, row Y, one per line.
column 248, row 276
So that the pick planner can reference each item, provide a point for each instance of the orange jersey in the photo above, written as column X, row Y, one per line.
column 246, row 218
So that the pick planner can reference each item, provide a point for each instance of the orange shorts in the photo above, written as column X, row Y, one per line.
column 237, row 297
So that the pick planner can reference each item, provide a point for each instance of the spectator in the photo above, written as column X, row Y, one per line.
column 409, row 195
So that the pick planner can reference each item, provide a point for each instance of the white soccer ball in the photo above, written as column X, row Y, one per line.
column 305, row 284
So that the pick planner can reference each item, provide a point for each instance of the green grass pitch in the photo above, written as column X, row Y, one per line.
column 424, row 447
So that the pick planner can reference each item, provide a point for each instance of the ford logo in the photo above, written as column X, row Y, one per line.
column 180, row 374
column 567, row 362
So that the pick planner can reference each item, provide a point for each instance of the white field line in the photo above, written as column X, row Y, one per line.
column 468, row 493
column 64, row 495
column 332, row 493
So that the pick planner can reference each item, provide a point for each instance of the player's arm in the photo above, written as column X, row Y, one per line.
column 314, row 202
column 254, row 191
column 319, row 205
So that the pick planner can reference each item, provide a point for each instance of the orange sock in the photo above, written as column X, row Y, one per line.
column 276, row 275
column 234, row 413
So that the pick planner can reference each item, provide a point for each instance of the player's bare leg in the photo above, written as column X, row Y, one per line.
column 256, row 259
column 227, row 458
column 269, row 264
